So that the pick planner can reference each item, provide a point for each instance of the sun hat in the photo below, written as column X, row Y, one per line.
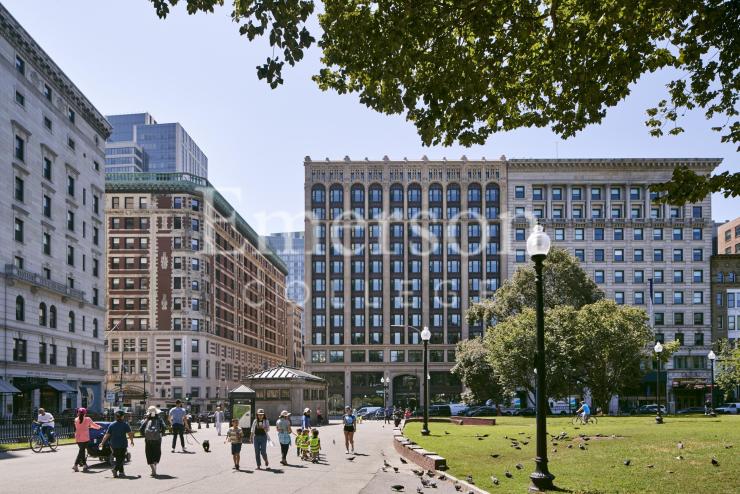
column 285, row 413
column 262, row 411
column 82, row 410
column 152, row 409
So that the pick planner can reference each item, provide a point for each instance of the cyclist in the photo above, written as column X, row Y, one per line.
column 46, row 420
column 585, row 411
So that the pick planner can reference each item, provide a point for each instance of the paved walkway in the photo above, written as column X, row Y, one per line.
column 200, row 472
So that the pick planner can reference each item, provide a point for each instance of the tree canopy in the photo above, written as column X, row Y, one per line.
column 462, row 70
column 475, row 371
column 565, row 283
column 728, row 368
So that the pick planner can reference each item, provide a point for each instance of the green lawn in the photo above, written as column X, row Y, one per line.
column 600, row 467
column 25, row 444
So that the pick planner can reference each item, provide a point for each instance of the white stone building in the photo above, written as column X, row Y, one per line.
column 52, row 213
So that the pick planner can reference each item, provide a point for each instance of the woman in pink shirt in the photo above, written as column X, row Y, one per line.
column 83, row 424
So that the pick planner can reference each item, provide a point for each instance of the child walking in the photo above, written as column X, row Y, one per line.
column 315, row 445
column 298, row 441
column 305, row 443
column 234, row 436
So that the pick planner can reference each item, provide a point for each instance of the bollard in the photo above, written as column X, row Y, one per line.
column 199, row 425
column 207, row 424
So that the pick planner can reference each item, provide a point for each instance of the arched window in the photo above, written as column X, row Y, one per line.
column 453, row 193
column 376, row 193
column 435, row 193
column 318, row 194
column 53, row 317
column 357, row 194
column 474, row 193
column 71, row 322
column 336, row 194
column 95, row 328
column 397, row 193
column 414, row 193
column 720, row 277
column 42, row 314
column 492, row 193
column 731, row 277
column 20, row 309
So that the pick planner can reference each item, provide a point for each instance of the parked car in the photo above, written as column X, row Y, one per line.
column 482, row 412
column 559, row 408
column 526, row 412
column 690, row 410
column 367, row 412
column 731, row 408
column 459, row 409
column 650, row 409
column 440, row 411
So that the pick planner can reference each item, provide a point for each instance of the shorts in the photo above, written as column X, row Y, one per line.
column 349, row 428
column 236, row 448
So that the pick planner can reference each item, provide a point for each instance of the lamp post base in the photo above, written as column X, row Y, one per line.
column 425, row 432
column 541, row 481
column 658, row 419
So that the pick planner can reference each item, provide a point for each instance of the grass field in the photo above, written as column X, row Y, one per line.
column 25, row 445
column 600, row 467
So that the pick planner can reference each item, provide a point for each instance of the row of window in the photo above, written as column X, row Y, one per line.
column 618, row 255
column 597, row 234
column 373, row 356
column 47, row 316
column 396, row 193
column 733, row 298
column 48, row 354
column 597, row 211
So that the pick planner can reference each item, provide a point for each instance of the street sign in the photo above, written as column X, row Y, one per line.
column 110, row 397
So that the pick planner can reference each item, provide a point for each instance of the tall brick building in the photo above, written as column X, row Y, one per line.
column 204, row 300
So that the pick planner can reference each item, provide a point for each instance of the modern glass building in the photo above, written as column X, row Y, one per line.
column 163, row 147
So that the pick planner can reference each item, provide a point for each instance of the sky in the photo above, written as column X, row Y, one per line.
column 198, row 71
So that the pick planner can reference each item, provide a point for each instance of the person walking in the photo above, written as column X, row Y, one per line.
column 179, row 424
column 260, row 428
column 234, row 436
column 315, row 445
column 284, row 431
column 83, row 424
column 152, row 428
column 319, row 416
column 306, row 419
column 387, row 413
column 350, row 426
column 117, row 433
column 218, row 418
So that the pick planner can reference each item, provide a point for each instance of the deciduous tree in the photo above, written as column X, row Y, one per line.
column 474, row 370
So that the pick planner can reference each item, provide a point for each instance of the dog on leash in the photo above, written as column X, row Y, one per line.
column 206, row 446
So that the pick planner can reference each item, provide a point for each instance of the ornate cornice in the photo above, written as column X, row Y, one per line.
column 19, row 38
column 701, row 164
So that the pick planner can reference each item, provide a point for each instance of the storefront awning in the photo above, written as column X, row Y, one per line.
column 7, row 388
column 60, row 386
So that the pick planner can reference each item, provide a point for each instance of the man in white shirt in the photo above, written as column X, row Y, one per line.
column 47, row 424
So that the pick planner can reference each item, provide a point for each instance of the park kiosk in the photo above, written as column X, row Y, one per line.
column 241, row 406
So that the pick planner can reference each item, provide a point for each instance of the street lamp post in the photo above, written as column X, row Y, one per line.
column 658, row 350
column 385, row 381
column 712, row 357
column 120, row 382
column 538, row 245
column 426, row 335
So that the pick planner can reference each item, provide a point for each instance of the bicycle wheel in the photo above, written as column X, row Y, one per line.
column 52, row 444
column 593, row 420
column 576, row 420
column 36, row 444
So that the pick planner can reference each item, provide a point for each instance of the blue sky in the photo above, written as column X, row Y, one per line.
column 198, row 71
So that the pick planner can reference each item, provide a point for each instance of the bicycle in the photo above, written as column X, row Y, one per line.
column 578, row 420
column 38, row 439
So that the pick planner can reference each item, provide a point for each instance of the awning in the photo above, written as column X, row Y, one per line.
column 7, row 388
column 60, row 386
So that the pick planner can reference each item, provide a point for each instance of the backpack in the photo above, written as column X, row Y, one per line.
column 153, row 430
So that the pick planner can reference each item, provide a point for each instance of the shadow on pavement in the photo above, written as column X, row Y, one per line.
column 163, row 476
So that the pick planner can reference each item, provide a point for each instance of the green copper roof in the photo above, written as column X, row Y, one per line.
column 185, row 183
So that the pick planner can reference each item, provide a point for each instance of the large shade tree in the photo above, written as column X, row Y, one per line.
column 565, row 283
column 462, row 70
column 475, row 372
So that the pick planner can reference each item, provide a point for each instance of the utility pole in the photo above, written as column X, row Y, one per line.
column 120, row 382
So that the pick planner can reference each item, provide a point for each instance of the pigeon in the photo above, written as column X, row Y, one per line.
column 480, row 438
column 627, row 462
column 525, row 442
column 403, row 460
column 384, row 469
column 495, row 455
column 570, row 446
column 554, row 443
column 680, row 445
column 430, row 473
column 508, row 474
column 650, row 466
column 519, row 466
column 715, row 462
column 424, row 482
column 447, row 433
column 506, row 437
column 494, row 480
column 419, row 490
column 386, row 464
column 517, row 447
column 418, row 473
column 442, row 476
column 458, row 487
column 728, row 446
column 670, row 471
column 395, row 469
column 351, row 458
column 554, row 450
column 576, row 427
column 582, row 446
column 469, row 479
column 397, row 488
column 679, row 457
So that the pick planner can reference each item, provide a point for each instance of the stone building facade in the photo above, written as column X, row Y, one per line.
column 51, row 194
column 393, row 244
column 726, row 297
column 204, row 303
column 295, row 335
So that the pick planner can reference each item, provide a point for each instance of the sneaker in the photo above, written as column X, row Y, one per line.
column 76, row 468
column 346, row 452
column 85, row 468
column 267, row 464
column 173, row 450
column 115, row 473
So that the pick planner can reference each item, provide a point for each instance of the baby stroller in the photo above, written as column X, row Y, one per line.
column 105, row 453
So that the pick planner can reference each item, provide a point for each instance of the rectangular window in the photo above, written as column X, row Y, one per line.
column 599, row 276
column 638, row 234
column 20, row 148
column 519, row 192
column 579, row 234
column 18, row 230
column 618, row 255
column 599, row 255
column 580, row 254
column 598, row 234
column 20, row 99
column 639, row 255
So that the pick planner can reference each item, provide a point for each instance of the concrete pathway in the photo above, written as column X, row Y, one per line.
column 199, row 472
